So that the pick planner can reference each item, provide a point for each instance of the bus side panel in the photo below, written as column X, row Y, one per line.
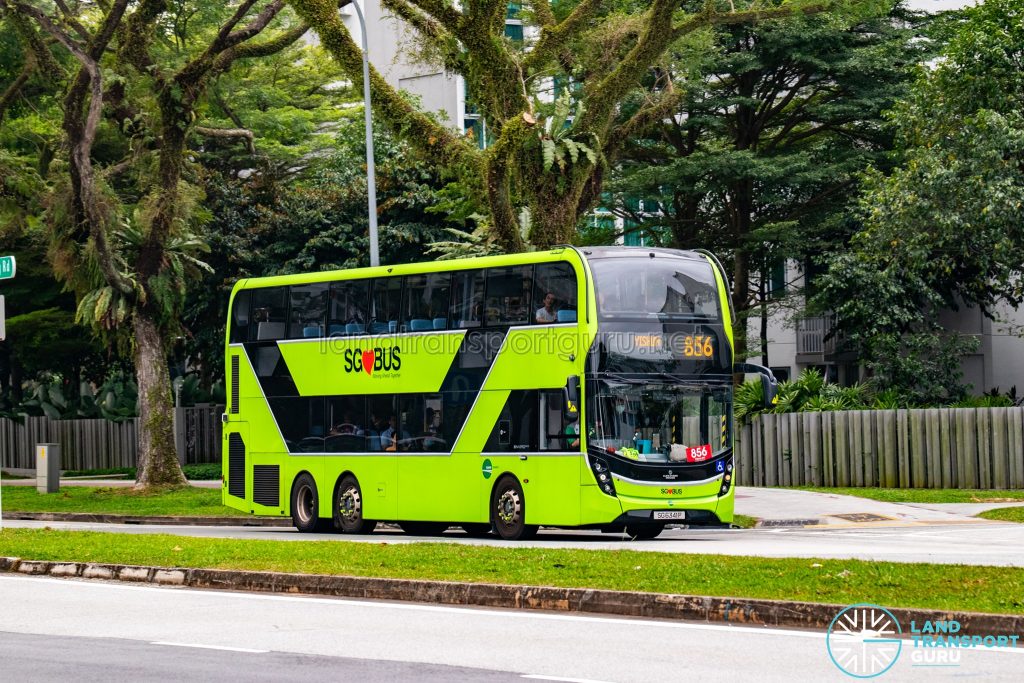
column 596, row 507
column 725, row 509
column 467, row 494
column 553, row 492
column 377, row 478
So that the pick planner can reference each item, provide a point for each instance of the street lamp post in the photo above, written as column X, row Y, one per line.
column 371, row 176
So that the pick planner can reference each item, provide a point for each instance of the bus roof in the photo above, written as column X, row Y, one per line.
column 557, row 254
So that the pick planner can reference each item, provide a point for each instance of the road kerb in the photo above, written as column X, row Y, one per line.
column 724, row 610
column 96, row 518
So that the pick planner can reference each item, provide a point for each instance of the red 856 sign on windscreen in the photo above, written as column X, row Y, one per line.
column 698, row 453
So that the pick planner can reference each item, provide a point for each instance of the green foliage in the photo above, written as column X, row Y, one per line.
column 773, row 123
column 943, row 229
column 57, row 398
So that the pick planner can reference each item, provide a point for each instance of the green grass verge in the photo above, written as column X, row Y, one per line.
column 191, row 502
column 927, row 495
column 744, row 521
column 1005, row 515
column 930, row 586
column 195, row 472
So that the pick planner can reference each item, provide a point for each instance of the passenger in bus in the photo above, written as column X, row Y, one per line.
column 374, row 431
column 393, row 439
column 347, row 426
column 431, row 436
column 547, row 313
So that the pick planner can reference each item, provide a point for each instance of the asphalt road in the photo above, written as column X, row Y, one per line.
column 54, row 629
column 979, row 543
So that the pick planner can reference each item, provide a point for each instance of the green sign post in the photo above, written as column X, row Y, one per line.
column 8, row 267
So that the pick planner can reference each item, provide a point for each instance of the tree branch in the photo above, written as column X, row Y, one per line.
column 554, row 37
column 69, row 17
column 542, row 13
column 229, row 25
column 264, row 49
column 11, row 91
column 427, row 26
column 247, row 135
column 259, row 22
column 419, row 129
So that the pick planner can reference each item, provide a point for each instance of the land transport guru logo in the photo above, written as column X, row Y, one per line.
column 864, row 641
column 377, row 359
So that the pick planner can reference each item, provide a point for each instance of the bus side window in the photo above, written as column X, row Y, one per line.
column 348, row 309
column 308, row 308
column 425, row 302
column 554, row 294
column 269, row 314
column 467, row 309
column 557, row 433
column 517, row 426
column 509, row 292
column 240, row 317
column 386, row 303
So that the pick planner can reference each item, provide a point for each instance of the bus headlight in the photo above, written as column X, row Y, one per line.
column 603, row 476
column 726, row 479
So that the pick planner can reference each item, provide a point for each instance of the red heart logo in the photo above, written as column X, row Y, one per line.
column 368, row 358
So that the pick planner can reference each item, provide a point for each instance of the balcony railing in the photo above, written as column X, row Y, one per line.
column 811, row 336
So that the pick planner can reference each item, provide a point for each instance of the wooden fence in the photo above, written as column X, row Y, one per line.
column 934, row 448
column 101, row 444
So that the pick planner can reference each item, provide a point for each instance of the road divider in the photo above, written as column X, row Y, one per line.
column 739, row 611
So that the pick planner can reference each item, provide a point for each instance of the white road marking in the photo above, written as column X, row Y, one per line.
column 539, row 677
column 211, row 647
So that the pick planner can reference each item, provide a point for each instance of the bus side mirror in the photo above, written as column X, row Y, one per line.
column 769, row 390
column 571, row 405
column 769, row 385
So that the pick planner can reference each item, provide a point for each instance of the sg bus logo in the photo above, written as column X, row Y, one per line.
column 864, row 640
column 373, row 360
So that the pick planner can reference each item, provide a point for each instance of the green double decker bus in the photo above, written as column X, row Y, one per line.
column 583, row 388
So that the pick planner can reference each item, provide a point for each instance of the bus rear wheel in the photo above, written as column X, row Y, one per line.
column 643, row 532
column 348, row 508
column 305, row 505
column 508, row 510
column 423, row 528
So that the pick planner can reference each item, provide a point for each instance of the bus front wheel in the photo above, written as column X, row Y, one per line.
column 508, row 510
column 305, row 504
column 348, row 508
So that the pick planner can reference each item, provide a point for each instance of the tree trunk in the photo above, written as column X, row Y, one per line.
column 158, row 460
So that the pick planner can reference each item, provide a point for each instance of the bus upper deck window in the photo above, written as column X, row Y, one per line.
column 467, row 309
column 349, row 306
column 425, row 302
column 385, row 305
column 509, row 296
column 308, row 308
column 554, row 295
column 240, row 317
column 269, row 314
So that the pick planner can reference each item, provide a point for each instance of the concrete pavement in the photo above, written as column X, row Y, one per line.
column 795, row 508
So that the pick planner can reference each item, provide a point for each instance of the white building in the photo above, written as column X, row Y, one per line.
column 796, row 343
column 392, row 49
